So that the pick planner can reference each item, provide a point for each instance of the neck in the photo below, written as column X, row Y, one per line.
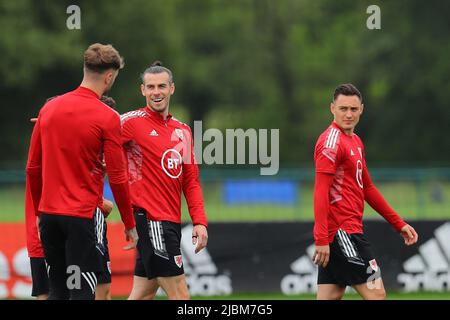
column 164, row 114
column 348, row 132
column 94, row 86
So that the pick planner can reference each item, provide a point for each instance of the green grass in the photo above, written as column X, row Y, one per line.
column 410, row 200
column 12, row 203
column 347, row 296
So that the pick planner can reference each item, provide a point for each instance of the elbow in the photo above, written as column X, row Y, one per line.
column 32, row 170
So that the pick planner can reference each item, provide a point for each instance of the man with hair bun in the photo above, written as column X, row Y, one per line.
column 161, row 166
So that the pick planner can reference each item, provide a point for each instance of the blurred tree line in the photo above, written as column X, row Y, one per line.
column 245, row 64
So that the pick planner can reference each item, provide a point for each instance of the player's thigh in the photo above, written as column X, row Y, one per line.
column 103, row 291
column 159, row 252
column 175, row 287
column 143, row 288
column 330, row 292
column 81, row 245
column 372, row 290
column 53, row 239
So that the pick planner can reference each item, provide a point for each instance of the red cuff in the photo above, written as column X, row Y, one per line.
column 322, row 242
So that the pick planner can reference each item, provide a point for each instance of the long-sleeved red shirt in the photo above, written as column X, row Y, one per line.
column 342, row 185
column 34, row 246
column 64, row 168
column 161, row 165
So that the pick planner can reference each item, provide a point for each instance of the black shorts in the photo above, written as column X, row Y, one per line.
column 70, row 241
column 104, row 276
column 39, row 276
column 351, row 262
column 159, row 253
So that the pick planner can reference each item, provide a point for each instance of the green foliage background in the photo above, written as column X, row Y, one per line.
column 245, row 63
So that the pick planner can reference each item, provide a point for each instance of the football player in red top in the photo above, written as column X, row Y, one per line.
column 65, row 175
column 39, row 276
column 161, row 166
column 343, row 183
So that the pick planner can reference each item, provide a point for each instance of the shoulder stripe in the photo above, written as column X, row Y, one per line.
column 132, row 114
column 336, row 136
column 332, row 138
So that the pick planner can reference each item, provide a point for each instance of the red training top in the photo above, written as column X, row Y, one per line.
column 64, row 168
column 342, row 184
column 161, row 165
column 34, row 245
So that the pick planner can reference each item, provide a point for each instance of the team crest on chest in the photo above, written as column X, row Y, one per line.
column 179, row 133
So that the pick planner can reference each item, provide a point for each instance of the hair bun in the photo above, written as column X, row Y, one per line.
column 156, row 63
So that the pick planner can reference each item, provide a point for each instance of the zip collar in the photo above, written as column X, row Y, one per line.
column 156, row 116
column 335, row 125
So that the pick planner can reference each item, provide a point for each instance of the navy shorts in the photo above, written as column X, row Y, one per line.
column 159, row 252
column 351, row 262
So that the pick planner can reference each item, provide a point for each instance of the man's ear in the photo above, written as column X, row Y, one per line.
column 108, row 77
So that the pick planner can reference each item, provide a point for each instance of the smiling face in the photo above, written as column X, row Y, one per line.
column 346, row 111
column 157, row 89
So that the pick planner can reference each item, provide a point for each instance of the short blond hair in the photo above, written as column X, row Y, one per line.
column 100, row 57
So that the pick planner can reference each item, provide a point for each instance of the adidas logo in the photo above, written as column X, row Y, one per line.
column 154, row 133
column 304, row 279
column 429, row 269
column 202, row 275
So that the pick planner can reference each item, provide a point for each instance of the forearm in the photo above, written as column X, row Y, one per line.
column 196, row 208
column 193, row 193
column 34, row 179
column 376, row 200
column 321, row 207
column 121, row 194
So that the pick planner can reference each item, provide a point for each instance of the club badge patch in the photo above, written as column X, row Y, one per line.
column 179, row 133
column 373, row 264
column 178, row 261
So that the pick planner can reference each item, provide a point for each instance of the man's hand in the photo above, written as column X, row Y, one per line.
column 321, row 255
column 131, row 235
column 107, row 206
column 33, row 120
column 409, row 235
column 199, row 237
